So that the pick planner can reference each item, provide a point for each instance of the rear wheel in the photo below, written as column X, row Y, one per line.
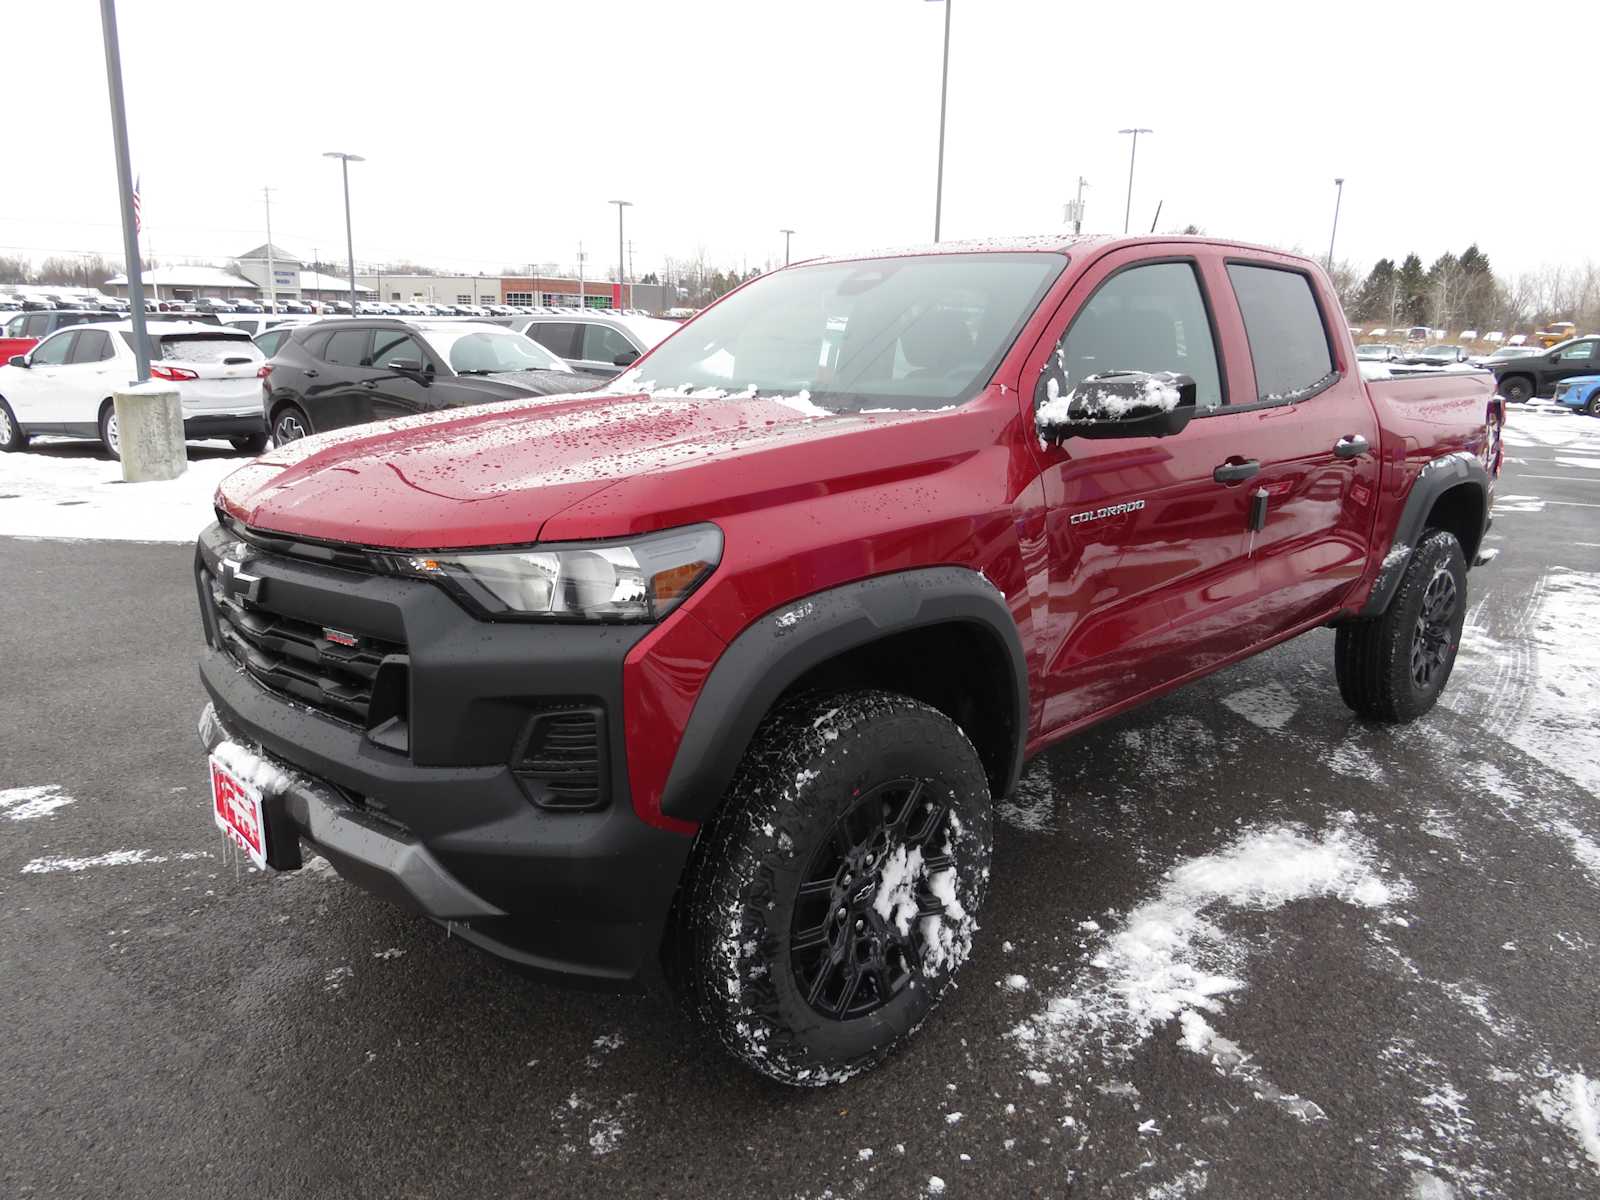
column 12, row 437
column 833, row 896
column 1593, row 407
column 1517, row 389
column 1392, row 668
column 250, row 443
column 290, row 425
column 108, row 430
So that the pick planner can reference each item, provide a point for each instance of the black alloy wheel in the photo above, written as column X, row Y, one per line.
column 1433, row 640
column 848, row 956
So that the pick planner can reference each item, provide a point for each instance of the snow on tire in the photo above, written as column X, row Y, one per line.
column 835, row 893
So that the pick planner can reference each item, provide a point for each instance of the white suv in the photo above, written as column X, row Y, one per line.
column 63, row 385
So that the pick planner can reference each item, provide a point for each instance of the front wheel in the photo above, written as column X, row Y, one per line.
column 12, row 436
column 834, row 895
column 1392, row 668
column 1593, row 407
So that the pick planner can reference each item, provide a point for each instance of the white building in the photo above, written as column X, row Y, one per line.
column 291, row 280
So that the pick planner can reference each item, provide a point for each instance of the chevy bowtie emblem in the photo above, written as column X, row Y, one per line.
column 236, row 581
column 340, row 638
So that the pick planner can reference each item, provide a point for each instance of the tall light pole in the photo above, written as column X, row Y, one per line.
column 130, row 223
column 272, row 272
column 787, row 234
column 1338, row 198
column 349, row 239
column 1127, row 211
column 944, row 91
column 621, row 262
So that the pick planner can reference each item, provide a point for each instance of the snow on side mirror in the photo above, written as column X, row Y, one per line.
column 1115, row 404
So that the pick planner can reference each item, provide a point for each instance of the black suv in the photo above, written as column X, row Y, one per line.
column 346, row 372
column 1519, row 379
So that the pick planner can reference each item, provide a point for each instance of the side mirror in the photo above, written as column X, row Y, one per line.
column 411, row 366
column 17, row 360
column 625, row 359
column 1115, row 404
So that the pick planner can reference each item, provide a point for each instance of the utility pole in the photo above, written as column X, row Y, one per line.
column 1127, row 211
column 787, row 234
column 1075, row 209
column 349, row 238
column 1337, row 200
column 580, row 275
column 272, row 274
column 944, row 92
column 630, row 272
column 130, row 229
column 621, row 263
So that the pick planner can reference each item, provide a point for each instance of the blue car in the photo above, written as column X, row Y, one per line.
column 1582, row 392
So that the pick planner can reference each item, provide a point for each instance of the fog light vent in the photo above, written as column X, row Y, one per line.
column 562, row 761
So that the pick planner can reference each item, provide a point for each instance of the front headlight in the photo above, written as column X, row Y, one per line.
column 633, row 579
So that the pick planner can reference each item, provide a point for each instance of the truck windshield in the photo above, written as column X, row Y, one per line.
column 918, row 332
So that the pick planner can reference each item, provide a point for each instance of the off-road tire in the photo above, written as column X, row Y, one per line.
column 1375, row 658
column 250, row 443
column 109, row 437
column 289, row 413
column 1517, row 389
column 12, row 438
column 821, row 764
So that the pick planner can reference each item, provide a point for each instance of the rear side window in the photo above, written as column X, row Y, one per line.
column 71, row 319
column 205, row 348
column 347, row 348
column 558, row 337
column 93, row 345
column 1288, row 342
column 269, row 342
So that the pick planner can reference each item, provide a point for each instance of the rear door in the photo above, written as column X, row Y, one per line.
column 1140, row 532
column 1312, row 432
column 335, row 395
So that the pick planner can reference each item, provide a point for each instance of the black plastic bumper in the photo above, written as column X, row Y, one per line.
column 223, row 425
column 446, row 826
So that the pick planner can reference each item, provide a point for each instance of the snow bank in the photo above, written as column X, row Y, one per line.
column 70, row 493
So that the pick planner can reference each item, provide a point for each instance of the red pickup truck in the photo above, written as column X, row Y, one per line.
column 713, row 678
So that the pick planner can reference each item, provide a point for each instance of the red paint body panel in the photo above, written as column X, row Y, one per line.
column 1110, row 611
column 11, row 346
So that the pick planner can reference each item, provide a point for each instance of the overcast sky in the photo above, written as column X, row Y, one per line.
column 495, row 133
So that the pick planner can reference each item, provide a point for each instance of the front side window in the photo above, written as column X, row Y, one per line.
column 53, row 350
column 1577, row 352
column 395, row 346
column 1288, row 342
column 601, row 343
column 1150, row 318
column 918, row 332
column 38, row 325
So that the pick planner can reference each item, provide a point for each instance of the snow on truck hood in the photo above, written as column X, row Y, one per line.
column 506, row 474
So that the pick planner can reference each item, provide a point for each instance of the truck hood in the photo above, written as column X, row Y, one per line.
column 508, row 474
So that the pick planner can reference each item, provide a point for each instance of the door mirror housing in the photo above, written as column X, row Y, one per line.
column 17, row 360
column 626, row 359
column 1115, row 404
column 410, row 366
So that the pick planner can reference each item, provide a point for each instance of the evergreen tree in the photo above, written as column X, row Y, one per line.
column 1413, row 298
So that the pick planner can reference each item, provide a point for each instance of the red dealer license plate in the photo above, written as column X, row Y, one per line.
column 236, row 808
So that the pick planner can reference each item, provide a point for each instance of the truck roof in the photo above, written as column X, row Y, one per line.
column 1042, row 243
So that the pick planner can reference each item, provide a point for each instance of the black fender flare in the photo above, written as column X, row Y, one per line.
column 1436, row 478
column 775, row 650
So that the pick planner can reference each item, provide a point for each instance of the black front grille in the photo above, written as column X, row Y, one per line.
column 562, row 762
column 297, row 659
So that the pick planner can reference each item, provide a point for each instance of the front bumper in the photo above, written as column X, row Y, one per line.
column 443, row 821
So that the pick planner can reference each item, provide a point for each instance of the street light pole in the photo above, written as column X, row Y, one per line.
column 787, row 234
column 130, row 230
column 621, row 262
column 349, row 238
column 272, row 272
column 1337, row 200
column 944, row 91
column 1127, row 211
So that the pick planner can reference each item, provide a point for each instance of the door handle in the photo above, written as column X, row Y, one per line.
column 369, row 384
column 310, row 372
column 1236, row 472
column 1351, row 445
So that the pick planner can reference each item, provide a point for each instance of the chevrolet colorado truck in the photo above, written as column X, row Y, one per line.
column 712, row 679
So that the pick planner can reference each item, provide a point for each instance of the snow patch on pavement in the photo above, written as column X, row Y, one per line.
column 30, row 803
column 1574, row 1101
column 45, row 495
column 112, row 858
column 1172, row 959
column 1270, row 706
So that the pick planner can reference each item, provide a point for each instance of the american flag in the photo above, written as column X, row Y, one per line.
column 138, row 222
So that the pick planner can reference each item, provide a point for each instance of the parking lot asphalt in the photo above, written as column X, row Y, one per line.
column 1414, row 1013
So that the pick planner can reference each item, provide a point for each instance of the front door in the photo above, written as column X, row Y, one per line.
column 32, row 391
column 398, row 385
column 1140, row 530
column 1580, row 358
